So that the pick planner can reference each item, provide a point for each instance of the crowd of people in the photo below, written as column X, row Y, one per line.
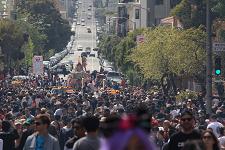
column 34, row 118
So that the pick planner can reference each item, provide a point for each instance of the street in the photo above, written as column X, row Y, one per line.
column 83, row 38
column 112, row 75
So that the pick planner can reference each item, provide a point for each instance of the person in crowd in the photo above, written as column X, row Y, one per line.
column 91, row 140
column 65, row 133
column 79, row 132
column 194, row 145
column 29, row 128
column 215, row 125
column 222, row 138
column 8, row 135
column 41, row 140
column 187, row 132
column 210, row 140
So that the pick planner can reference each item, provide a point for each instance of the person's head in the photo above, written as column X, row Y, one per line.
column 213, row 117
column 42, row 123
column 91, row 123
column 194, row 145
column 187, row 121
column 6, row 126
column 77, row 125
column 166, row 124
column 210, row 140
column 27, row 111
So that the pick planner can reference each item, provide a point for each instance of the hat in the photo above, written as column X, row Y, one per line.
column 28, row 121
column 18, row 122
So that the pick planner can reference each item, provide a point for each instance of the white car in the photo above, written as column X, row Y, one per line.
column 91, row 55
column 80, row 48
column 78, row 23
column 114, row 76
column 83, row 24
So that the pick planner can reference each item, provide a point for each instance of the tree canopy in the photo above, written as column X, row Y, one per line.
column 164, row 48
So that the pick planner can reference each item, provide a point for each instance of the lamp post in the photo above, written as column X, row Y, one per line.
column 208, row 59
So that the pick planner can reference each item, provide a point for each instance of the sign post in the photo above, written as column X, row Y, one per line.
column 38, row 67
column 140, row 39
column 218, row 47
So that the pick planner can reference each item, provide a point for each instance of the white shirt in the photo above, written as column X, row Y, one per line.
column 215, row 126
column 222, row 141
column 58, row 112
column 1, row 144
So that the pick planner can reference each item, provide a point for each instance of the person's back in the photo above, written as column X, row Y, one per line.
column 215, row 126
column 9, row 135
column 87, row 143
column 91, row 141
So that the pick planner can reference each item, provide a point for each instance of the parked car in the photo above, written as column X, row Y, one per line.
column 80, row 48
column 88, row 50
column 84, row 54
column 114, row 76
column 92, row 55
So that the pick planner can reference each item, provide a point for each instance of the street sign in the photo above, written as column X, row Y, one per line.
column 218, row 47
column 38, row 67
column 140, row 39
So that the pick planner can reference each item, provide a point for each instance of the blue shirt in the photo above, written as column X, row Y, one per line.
column 40, row 143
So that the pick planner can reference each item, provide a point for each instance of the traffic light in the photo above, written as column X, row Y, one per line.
column 217, row 66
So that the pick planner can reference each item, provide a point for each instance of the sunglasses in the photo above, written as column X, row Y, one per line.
column 186, row 119
column 207, row 137
column 38, row 123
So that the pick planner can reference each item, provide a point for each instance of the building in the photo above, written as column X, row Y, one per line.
column 171, row 21
column 66, row 8
column 133, row 14
column 8, row 9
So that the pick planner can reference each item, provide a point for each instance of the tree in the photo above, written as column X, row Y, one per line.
column 219, row 8
column 48, row 20
column 164, row 48
column 37, row 38
column 117, row 50
column 11, row 42
column 28, row 50
column 192, row 13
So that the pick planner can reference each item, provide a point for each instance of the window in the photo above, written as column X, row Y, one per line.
column 159, row 2
column 137, row 13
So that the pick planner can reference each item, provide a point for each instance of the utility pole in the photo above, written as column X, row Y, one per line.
column 209, row 58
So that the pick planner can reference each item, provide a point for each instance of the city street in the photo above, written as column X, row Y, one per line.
column 83, row 38
column 112, row 75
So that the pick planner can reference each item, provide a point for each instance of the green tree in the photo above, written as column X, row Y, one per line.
column 11, row 42
column 44, row 15
column 37, row 38
column 117, row 50
column 164, row 48
column 192, row 13
column 28, row 50
column 219, row 8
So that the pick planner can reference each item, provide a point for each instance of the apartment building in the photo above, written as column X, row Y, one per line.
column 66, row 8
column 8, row 9
column 134, row 14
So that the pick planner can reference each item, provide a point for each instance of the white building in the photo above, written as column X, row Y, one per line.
column 143, row 13
column 7, row 9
